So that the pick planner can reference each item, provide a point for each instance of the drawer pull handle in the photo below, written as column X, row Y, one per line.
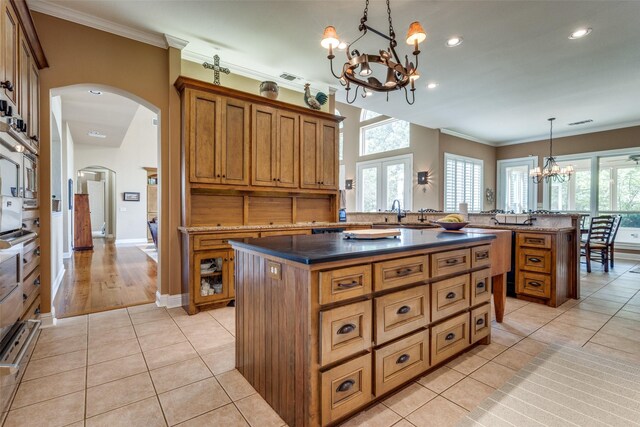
column 403, row 359
column 480, row 285
column 345, row 386
column 346, row 329
column 480, row 322
column 451, row 295
column 532, row 259
column 482, row 255
column 450, row 336
column 37, row 282
column 535, row 284
column 404, row 271
column 350, row 285
column 536, row 241
column 452, row 261
column 404, row 309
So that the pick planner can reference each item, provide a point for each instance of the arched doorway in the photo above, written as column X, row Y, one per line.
column 104, row 133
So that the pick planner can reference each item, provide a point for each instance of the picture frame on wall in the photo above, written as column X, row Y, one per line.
column 131, row 197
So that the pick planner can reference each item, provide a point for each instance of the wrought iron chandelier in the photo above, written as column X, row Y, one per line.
column 358, row 64
column 551, row 171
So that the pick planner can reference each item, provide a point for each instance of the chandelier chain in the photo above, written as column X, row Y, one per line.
column 364, row 15
column 392, row 33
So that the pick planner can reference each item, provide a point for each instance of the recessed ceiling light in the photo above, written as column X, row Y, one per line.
column 95, row 92
column 432, row 85
column 96, row 134
column 454, row 41
column 342, row 46
column 580, row 33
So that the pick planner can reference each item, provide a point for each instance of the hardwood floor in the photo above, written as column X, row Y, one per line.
column 106, row 278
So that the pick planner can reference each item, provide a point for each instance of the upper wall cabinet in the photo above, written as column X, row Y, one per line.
column 24, row 70
column 275, row 147
column 218, row 139
column 319, row 154
column 9, row 66
column 34, row 103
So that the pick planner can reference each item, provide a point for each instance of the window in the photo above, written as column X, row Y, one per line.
column 515, row 189
column 573, row 195
column 368, row 115
column 462, row 182
column 386, row 135
column 380, row 182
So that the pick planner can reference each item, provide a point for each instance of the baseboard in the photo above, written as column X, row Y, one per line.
column 169, row 301
column 627, row 256
column 56, row 283
column 47, row 320
column 130, row 242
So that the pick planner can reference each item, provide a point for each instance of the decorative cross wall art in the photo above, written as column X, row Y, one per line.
column 217, row 69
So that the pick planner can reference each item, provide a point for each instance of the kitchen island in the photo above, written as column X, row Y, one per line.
column 326, row 326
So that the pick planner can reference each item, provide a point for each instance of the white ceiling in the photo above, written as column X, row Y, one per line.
column 109, row 114
column 515, row 69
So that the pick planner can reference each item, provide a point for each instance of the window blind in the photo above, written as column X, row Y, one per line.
column 462, row 182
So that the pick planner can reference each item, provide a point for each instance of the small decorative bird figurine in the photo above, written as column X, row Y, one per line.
column 314, row 102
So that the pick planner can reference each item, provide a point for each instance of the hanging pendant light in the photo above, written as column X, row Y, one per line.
column 398, row 76
column 551, row 172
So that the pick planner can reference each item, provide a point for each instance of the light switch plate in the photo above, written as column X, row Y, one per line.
column 275, row 270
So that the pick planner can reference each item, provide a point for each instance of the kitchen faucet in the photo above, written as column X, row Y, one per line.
column 400, row 213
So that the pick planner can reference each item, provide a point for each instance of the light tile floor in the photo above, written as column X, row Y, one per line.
column 152, row 366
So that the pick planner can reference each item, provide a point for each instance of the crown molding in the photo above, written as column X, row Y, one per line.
column 467, row 137
column 175, row 42
column 253, row 74
column 556, row 135
column 62, row 12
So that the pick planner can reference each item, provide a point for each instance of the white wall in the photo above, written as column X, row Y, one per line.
column 56, row 182
column 68, row 172
column 139, row 149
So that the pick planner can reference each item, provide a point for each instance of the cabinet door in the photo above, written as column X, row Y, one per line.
column 24, row 71
column 235, row 142
column 288, row 143
column 264, row 145
column 328, row 164
column 211, row 277
column 34, row 103
column 9, row 49
column 204, row 137
column 309, row 152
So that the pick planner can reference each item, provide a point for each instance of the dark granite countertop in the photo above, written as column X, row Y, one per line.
column 319, row 248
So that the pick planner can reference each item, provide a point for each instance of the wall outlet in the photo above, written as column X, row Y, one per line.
column 275, row 270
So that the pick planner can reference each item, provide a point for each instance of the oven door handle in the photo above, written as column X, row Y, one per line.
column 13, row 367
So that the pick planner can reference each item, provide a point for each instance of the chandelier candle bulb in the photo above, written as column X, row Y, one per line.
column 415, row 36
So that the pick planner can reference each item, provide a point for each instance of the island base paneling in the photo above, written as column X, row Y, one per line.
column 318, row 360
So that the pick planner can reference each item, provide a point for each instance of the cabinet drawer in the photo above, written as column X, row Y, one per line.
column 449, row 297
column 344, row 331
column 450, row 262
column 400, row 361
column 533, row 240
column 344, row 283
column 345, row 388
column 398, row 272
column 218, row 240
column 481, row 256
column 537, row 260
column 449, row 338
column 480, row 322
column 30, row 261
column 480, row 286
column 31, row 245
column 534, row 284
column 400, row 313
column 284, row 233
column 32, row 282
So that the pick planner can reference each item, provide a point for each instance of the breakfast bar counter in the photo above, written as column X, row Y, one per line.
column 326, row 326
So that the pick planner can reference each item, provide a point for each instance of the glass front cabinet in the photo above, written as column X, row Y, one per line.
column 213, row 276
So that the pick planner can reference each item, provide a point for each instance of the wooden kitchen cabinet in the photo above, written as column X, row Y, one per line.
column 9, row 66
column 275, row 142
column 214, row 276
column 318, row 154
column 24, row 71
column 218, row 139
column 33, row 120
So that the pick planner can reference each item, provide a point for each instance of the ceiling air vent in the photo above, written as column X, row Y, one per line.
column 581, row 122
column 289, row 77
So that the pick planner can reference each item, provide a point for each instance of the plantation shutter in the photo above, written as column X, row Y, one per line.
column 462, row 183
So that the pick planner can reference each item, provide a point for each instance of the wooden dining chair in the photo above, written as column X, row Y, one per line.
column 612, row 238
column 598, row 241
